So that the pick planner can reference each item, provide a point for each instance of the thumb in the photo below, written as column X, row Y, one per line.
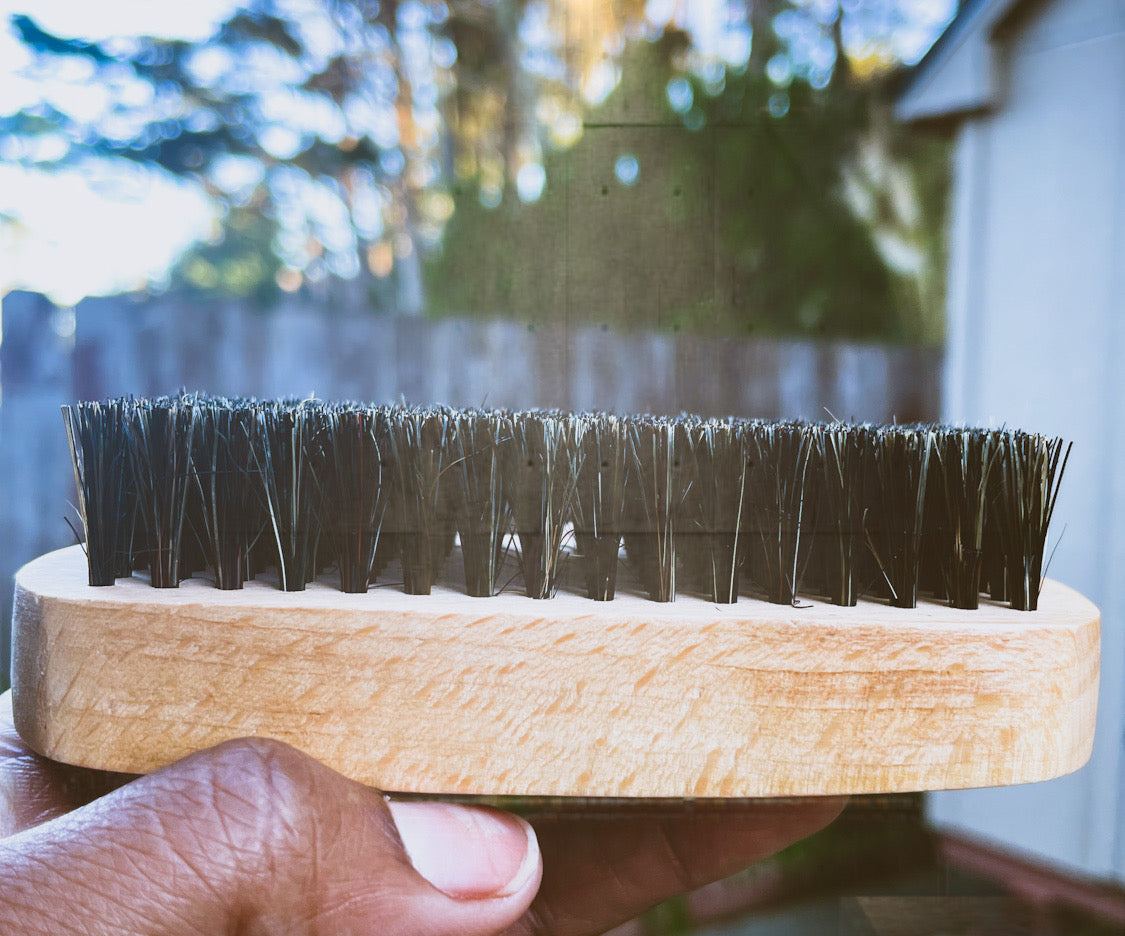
column 254, row 837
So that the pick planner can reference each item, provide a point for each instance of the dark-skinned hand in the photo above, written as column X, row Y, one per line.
column 253, row 837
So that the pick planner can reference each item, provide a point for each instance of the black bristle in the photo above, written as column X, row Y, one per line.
column 844, row 456
column 387, row 549
column 660, row 478
column 96, row 435
column 193, row 542
column 777, row 517
column 939, row 535
column 358, row 481
column 540, row 465
column 813, row 574
column 966, row 458
column 419, row 444
column 717, row 498
column 1031, row 468
column 224, row 472
column 481, row 507
column 288, row 447
column 599, row 502
column 159, row 437
column 994, row 562
column 901, row 465
column 130, row 536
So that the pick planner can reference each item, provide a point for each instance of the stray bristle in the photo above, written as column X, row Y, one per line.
column 786, row 511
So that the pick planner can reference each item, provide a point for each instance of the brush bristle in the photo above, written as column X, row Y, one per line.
column 844, row 456
column 599, row 502
column 901, row 458
column 785, row 511
column 540, row 464
column 290, row 457
column 482, row 509
column 224, row 473
column 715, row 506
column 96, row 435
column 420, row 448
column 659, row 450
column 358, row 478
column 1031, row 468
column 778, row 515
column 159, row 435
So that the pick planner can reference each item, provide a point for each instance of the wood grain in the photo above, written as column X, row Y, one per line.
column 566, row 697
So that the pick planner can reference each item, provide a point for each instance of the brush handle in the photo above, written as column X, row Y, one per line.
column 566, row 697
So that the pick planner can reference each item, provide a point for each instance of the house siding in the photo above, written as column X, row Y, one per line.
column 1037, row 298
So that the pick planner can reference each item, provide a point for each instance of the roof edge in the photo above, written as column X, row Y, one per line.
column 957, row 77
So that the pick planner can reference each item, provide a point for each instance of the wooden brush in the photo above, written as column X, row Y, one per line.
column 265, row 527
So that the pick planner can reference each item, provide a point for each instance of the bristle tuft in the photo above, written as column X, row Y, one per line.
column 482, row 509
column 99, row 455
column 358, row 488
column 541, row 465
column 419, row 446
column 717, row 500
column 600, row 500
column 160, row 434
column 661, row 476
column 901, row 469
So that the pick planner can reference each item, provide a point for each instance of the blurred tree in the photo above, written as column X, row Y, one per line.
column 316, row 125
column 334, row 134
column 775, row 199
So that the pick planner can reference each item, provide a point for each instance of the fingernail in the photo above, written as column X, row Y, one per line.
column 468, row 852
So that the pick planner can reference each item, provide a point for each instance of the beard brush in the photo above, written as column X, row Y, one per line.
column 486, row 602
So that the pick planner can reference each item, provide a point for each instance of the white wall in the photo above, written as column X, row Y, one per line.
column 1037, row 340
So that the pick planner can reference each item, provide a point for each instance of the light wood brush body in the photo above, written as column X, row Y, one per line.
column 507, row 695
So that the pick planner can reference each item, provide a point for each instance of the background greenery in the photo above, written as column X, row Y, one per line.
column 463, row 158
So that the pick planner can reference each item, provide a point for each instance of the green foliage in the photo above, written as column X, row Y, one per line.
column 239, row 263
column 739, row 227
column 288, row 117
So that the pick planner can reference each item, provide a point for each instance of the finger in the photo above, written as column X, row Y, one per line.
column 34, row 789
column 633, row 858
column 254, row 837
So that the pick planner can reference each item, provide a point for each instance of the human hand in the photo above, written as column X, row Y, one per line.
column 254, row 837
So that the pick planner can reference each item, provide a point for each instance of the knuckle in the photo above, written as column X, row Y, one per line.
column 264, row 795
column 263, row 764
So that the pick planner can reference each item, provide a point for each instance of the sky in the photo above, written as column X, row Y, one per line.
column 194, row 20
column 78, row 233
